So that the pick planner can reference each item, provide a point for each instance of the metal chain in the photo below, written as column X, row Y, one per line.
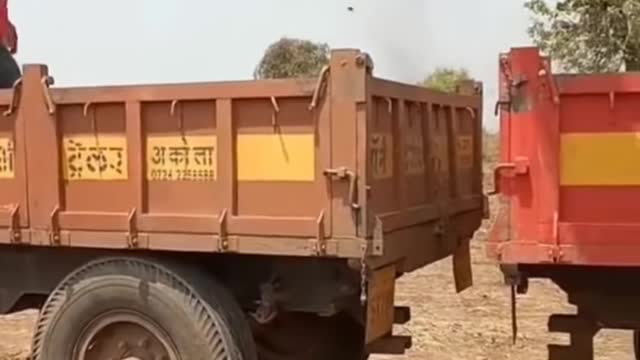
column 363, row 273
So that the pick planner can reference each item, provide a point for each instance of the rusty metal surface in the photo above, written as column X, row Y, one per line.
column 284, row 167
column 425, row 171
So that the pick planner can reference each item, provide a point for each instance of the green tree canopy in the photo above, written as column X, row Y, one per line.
column 292, row 58
column 445, row 79
column 588, row 35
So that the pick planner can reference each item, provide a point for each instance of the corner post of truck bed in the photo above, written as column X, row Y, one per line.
column 461, row 259
column 534, row 145
column 349, row 99
column 37, row 116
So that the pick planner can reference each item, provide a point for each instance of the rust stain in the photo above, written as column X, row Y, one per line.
column 381, row 148
column 464, row 144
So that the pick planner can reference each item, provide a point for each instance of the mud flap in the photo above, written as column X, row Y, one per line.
column 462, row 272
column 380, row 303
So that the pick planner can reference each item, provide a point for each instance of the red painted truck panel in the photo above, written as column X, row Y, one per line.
column 568, row 174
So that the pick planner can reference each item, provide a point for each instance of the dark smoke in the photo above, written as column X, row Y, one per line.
column 395, row 34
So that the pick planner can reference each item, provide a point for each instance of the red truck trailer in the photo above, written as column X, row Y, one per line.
column 569, row 184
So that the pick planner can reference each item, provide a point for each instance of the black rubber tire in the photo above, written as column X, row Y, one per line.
column 293, row 336
column 9, row 69
column 161, row 293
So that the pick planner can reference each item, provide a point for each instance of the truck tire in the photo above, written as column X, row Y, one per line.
column 9, row 69
column 120, row 308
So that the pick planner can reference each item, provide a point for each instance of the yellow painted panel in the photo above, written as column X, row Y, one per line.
column 381, row 156
column 7, row 158
column 276, row 157
column 91, row 157
column 182, row 158
column 600, row 159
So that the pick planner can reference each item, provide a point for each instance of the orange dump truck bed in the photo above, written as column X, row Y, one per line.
column 288, row 167
column 346, row 166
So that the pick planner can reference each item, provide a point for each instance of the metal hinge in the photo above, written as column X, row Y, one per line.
column 223, row 239
column 15, row 235
column 319, row 244
column 132, row 235
column 54, row 227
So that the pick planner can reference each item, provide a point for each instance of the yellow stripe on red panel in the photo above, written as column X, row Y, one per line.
column 600, row 159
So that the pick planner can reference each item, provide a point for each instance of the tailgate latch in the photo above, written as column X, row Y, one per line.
column 511, row 170
column 344, row 174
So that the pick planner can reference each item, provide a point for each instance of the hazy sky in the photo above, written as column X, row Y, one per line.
column 94, row 42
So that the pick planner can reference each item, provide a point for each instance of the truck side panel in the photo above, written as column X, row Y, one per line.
column 425, row 170
column 146, row 166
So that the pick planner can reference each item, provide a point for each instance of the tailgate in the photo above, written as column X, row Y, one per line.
column 424, row 171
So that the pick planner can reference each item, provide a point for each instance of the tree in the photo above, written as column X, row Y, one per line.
column 292, row 58
column 588, row 35
column 445, row 79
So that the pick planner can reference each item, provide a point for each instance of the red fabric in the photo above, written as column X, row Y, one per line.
column 4, row 19
column 8, row 33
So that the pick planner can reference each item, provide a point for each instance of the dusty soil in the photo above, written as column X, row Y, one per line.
column 473, row 325
column 476, row 325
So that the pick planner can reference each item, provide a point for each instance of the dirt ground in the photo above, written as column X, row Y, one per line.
column 474, row 325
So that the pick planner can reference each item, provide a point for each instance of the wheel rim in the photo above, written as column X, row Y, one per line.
column 124, row 335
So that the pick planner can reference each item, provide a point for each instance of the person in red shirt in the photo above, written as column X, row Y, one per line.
column 9, row 69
